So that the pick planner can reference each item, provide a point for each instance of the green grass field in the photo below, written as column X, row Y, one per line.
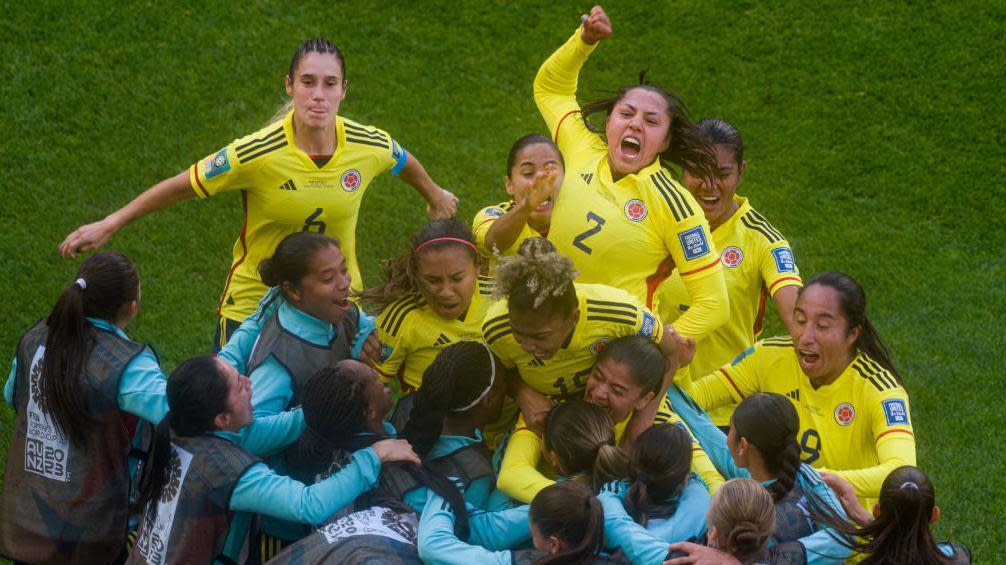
column 872, row 129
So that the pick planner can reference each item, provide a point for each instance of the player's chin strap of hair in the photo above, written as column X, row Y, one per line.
column 492, row 379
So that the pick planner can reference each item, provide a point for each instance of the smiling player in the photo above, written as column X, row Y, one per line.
column 305, row 172
column 619, row 215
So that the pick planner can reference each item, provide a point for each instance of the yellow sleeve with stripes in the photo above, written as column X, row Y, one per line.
column 555, row 94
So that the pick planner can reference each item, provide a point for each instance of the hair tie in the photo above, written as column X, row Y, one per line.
column 439, row 239
column 81, row 283
column 909, row 485
column 492, row 379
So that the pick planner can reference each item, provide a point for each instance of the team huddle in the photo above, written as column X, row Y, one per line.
column 578, row 372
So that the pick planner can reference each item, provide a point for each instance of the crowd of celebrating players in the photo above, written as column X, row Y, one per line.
column 578, row 375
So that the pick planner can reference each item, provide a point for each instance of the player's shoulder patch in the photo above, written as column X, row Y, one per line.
column 752, row 220
column 649, row 325
column 677, row 201
column 895, row 412
column 217, row 164
column 262, row 142
column 694, row 243
column 366, row 135
column 390, row 321
column 784, row 261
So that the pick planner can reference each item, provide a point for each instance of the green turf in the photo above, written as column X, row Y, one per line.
column 874, row 133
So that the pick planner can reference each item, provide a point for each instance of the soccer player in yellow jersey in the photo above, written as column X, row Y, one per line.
column 307, row 171
column 627, row 376
column 854, row 412
column 620, row 216
column 757, row 262
column 432, row 297
column 534, row 174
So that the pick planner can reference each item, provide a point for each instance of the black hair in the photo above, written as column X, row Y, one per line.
column 722, row 132
column 527, row 141
column 852, row 301
column 569, row 511
column 538, row 278
column 109, row 280
column 291, row 261
column 197, row 392
column 315, row 45
column 901, row 533
column 770, row 423
column 658, row 466
column 687, row 148
column 643, row 357
column 400, row 272
column 582, row 436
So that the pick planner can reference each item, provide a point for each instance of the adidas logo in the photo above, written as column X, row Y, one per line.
column 537, row 363
column 288, row 185
column 587, row 177
column 794, row 394
column 442, row 340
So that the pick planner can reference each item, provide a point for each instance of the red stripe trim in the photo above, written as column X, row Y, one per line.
column 709, row 266
column 244, row 251
column 797, row 279
column 199, row 183
column 559, row 126
column 664, row 270
column 909, row 432
column 760, row 316
column 732, row 383
column 696, row 449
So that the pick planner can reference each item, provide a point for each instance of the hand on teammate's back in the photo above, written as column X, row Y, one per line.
column 389, row 450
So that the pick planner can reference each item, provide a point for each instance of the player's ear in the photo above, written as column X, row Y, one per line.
column 288, row 82
column 643, row 401
column 508, row 184
column 935, row 515
column 744, row 167
column 290, row 291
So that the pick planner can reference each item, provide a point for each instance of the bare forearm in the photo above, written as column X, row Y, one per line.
column 506, row 229
column 161, row 195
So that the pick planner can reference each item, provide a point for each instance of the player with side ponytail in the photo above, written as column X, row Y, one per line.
column 81, row 389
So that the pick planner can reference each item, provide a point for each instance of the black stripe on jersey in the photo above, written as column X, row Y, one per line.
column 761, row 226
column 868, row 377
column 661, row 419
column 361, row 131
column 766, row 223
column 626, row 321
column 676, row 195
column 496, row 323
column 401, row 318
column 490, row 339
column 881, row 373
column 659, row 183
column 264, row 140
column 396, row 311
column 778, row 342
column 366, row 142
column 268, row 149
column 620, row 313
column 626, row 305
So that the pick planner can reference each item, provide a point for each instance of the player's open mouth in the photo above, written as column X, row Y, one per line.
column 342, row 303
column 544, row 206
column 631, row 146
column 708, row 201
column 807, row 357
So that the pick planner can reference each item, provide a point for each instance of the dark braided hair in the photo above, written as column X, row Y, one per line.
column 770, row 423
column 400, row 272
column 852, row 300
column 658, row 466
column 335, row 408
column 687, row 148
column 457, row 377
column 111, row 281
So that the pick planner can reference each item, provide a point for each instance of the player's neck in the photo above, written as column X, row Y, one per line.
column 314, row 141
column 713, row 224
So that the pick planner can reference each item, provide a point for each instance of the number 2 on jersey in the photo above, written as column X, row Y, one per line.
column 578, row 240
column 311, row 223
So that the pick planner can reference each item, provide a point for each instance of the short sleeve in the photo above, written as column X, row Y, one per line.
column 778, row 266
column 889, row 413
column 220, row 172
column 394, row 349
column 482, row 223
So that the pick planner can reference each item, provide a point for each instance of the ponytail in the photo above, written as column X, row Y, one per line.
column 582, row 437
column 570, row 512
column 744, row 516
column 658, row 467
column 104, row 283
column 156, row 467
column 770, row 423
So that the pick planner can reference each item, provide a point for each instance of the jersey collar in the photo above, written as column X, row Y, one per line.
column 340, row 142
column 604, row 170
column 743, row 207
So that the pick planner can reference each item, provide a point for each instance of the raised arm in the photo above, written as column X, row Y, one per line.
column 161, row 195
column 440, row 203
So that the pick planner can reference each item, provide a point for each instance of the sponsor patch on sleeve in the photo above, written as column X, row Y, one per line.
column 217, row 164
column 694, row 243
column 646, row 330
column 386, row 351
column 784, row 262
column 895, row 411
column 493, row 212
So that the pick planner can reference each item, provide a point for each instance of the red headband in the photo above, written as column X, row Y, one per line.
column 437, row 239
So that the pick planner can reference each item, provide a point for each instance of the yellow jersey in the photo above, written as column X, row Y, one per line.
column 858, row 426
column 485, row 219
column 283, row 191
column 630, row 234
column 757, row 262
column 412, row 334
column 523, row 471
column 605, row 314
